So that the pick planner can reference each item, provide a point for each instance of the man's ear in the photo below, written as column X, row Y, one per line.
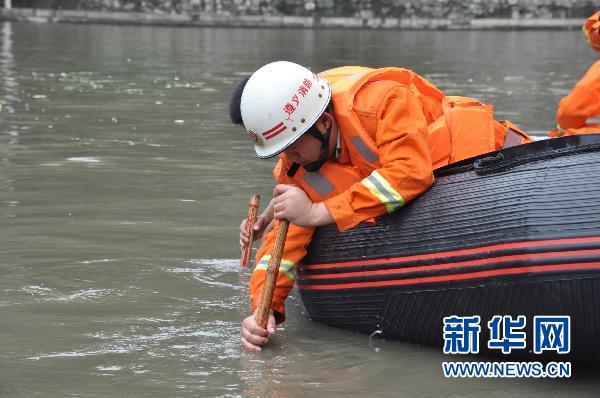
column 324, row 122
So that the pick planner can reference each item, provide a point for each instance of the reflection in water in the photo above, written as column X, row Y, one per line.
column 9, row 135
column 7, row 67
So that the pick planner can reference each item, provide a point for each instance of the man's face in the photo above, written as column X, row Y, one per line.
column 304, row 150
column 307, row 148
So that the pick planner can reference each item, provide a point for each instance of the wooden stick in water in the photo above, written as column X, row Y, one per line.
column 252, row 212
column 264, row 308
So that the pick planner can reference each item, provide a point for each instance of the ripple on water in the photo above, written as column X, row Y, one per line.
column 205, row 265
column 83, row 159
column 210, row 271
column 222, row 263
column 109, row 368
column 52, row 295
column 514, row 78
column 185, row 340
column 83, row 353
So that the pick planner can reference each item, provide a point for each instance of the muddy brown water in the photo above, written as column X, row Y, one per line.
column 122, row 184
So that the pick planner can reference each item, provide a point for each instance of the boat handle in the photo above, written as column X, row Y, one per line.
column 488, row 164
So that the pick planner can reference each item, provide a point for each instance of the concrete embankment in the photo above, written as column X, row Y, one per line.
column 279, row 21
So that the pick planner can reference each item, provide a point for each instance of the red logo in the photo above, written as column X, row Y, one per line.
column 278, row 129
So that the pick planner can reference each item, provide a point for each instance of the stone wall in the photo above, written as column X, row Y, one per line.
column 400, row 9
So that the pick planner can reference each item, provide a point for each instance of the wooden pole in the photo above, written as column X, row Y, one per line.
column 264, row 308
column 252, row 212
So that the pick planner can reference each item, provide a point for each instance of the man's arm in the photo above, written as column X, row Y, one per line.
column 583, row 102
column 406, row 170
column 253, row 336
column 296, row 244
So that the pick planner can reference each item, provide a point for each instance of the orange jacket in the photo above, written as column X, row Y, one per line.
column 582, row 103
column 395, row 128
column 591, row 31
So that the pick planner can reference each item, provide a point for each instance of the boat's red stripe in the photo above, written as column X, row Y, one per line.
column 452, row 265
column 594, row 239
column 444, row 278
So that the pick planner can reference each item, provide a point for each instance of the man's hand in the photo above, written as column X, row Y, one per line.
column 260, row 225
column 291, row 203
column 253, row 336
column 262, row 222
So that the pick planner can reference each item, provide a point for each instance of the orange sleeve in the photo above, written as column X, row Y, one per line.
column 296, row 244
column 583, row 102
column 406, row 171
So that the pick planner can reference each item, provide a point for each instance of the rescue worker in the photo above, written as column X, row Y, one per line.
column 353, row 143
column 583, row 102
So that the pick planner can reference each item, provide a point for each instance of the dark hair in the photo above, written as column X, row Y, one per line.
column 235, row 113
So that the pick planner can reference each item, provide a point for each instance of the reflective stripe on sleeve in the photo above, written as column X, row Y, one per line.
column 363, row 149
column 286, row 267
column 382, row 189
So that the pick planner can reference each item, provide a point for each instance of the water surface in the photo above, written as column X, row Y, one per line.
column 122, row 184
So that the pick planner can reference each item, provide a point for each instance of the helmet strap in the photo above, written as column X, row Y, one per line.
column 324, row 153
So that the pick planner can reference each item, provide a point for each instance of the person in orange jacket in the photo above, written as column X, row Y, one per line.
column 583, row 102
column 353, row 143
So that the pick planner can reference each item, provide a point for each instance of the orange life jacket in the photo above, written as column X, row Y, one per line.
column 458, row 128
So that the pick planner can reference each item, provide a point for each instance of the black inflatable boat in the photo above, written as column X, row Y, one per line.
column 513, row 232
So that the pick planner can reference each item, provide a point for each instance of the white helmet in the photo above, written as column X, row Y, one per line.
column 279, row 103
